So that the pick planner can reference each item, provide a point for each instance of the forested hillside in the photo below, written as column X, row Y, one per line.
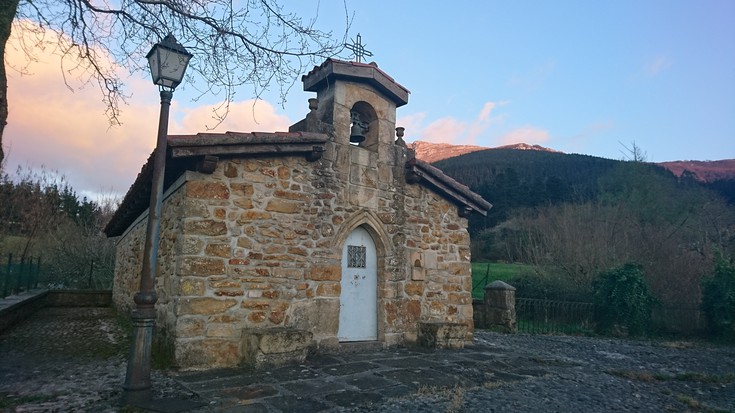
column 511, row 179
column 573, row 217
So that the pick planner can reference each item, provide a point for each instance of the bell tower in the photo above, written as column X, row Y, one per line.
column 359, row 100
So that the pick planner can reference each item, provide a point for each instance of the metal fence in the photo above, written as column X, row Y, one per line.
column 478, row 287
column 548, row 316
column 19, row 274
column 675, row 320
column 538, row 316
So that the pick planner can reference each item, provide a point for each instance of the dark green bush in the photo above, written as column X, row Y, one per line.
column 622, row 300
column 718, row 300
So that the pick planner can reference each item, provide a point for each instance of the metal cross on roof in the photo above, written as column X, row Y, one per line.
column 358, row 49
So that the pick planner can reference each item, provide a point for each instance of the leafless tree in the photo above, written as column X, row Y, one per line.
column 78, row 256
column 30, row 206
column 633, row 153
column 578, row 241
column 41, row 216
column 251, row 42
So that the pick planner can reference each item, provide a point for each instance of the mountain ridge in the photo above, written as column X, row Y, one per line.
column 703, row 171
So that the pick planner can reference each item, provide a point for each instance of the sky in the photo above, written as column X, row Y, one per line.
column 575, row 76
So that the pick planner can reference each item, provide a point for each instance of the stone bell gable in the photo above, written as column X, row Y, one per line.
column 275, row 244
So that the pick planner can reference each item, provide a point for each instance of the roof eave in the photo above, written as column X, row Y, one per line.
column 333, row 69
column 186, row 151
column 424, row 173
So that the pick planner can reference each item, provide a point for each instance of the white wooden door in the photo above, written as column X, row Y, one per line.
column 358, row 300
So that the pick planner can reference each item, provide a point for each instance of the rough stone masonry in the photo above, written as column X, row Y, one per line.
column 251, row 265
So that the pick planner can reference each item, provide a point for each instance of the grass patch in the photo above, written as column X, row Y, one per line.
column 678, row 344
column 12, row 244
column 484, row 273
column 643, row 376
column 553, row 362
column 8, row 401
column 702, row 378
column 692, row 377
column 493, row 384
column 692, row 404
column 454, row 395
column 457, row 400
column 163, row 355
column 696, row 405
column 162, row 348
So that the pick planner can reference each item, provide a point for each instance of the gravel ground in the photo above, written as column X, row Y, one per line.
column 73, row 360
column 68, row 360
column 581, row 374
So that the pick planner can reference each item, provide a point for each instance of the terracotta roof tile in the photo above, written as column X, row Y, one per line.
column 459, row 190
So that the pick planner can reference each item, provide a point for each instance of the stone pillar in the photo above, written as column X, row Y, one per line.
column 500, row 307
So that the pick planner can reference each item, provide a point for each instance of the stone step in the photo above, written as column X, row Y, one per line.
column 348, row 347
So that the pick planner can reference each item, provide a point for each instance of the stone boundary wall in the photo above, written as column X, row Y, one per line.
column 79, row 298
column 15, row 309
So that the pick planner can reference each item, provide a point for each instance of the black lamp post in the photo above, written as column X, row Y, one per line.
column 168, row 61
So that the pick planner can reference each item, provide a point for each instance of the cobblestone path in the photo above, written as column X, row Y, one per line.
column 73, row 360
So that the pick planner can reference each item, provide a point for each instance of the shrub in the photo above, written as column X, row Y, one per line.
column 622, row 299
column 718, row 300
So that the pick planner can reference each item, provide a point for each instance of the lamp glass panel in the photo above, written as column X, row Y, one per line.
column 167, row 66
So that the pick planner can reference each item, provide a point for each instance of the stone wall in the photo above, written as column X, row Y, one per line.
column 79, row 298
column 128, row 264
column 257, row 245
column 497, row 309
column 438, row 246
column 129, row 257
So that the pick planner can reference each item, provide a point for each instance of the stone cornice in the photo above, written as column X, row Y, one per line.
column 332, row 69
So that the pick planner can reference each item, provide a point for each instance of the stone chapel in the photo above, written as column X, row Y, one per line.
column 276, row 244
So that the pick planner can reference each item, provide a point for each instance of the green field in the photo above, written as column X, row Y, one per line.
column 493, row 271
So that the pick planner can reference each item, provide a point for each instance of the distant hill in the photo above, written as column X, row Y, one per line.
column 703, row 171
column 513, row 178
column 434, row 152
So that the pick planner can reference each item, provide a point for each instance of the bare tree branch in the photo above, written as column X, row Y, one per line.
column 254, row 43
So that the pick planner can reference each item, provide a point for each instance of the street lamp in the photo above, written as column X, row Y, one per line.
column 168, row 61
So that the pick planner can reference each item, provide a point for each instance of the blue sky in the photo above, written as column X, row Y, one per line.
column 575, row 76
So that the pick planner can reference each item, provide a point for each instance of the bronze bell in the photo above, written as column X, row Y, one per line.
column 356, row 133
column 358, row 128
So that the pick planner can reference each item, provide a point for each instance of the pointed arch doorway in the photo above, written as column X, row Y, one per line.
column 358, row 299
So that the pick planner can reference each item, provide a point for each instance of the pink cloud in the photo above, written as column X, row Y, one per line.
column 248, row 116
column 65, row 128
column 482, row 122
column 412, row 123
column 449, row 129
column 446, row 130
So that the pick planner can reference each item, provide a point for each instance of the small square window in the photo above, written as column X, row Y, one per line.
column 356, row 256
